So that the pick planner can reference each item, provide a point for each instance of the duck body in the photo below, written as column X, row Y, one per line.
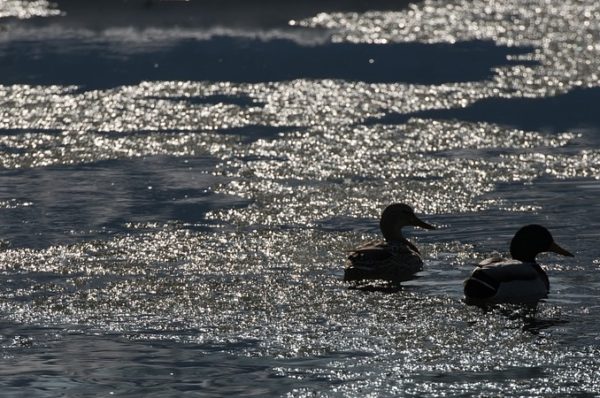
column 518, row 280
column 390, row 261
column 506, row 281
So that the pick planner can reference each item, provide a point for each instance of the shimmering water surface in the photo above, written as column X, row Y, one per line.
column 179, row 184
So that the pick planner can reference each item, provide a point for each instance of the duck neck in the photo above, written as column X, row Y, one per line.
column 392, row 234
column 402, row 242
column 524, row 258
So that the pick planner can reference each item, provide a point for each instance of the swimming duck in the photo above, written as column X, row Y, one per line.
column 394, row 259
column 520, row 280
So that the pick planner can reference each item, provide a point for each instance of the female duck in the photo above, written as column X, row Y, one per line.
column 394, row 259
column 519, row 280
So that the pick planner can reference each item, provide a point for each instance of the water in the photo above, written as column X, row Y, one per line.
column 178, row 190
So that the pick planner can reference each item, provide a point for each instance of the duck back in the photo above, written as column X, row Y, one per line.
column 381, row 260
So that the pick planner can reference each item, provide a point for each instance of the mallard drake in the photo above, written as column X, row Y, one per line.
column 518, row 280
column 394, row 259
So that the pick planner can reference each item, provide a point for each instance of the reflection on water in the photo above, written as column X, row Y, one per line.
column 179, row 195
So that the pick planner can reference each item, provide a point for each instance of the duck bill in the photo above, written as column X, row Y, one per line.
column 417, row 222
column 559, row 250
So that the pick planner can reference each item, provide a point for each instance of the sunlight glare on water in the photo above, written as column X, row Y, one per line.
column 192, row 233
column 27, row 9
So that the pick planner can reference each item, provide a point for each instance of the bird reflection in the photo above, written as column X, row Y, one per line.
column 527, row 313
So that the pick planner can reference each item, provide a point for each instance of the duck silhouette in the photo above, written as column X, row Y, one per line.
column 517, row 280
column 393, row 259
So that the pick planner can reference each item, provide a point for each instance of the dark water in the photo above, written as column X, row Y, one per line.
column 180, row 181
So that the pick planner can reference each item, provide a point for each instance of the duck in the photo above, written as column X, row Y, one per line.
column 393, row 259
column 519, row 279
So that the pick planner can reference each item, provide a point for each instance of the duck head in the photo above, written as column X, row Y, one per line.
column 531, row 240
column 396, row 216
